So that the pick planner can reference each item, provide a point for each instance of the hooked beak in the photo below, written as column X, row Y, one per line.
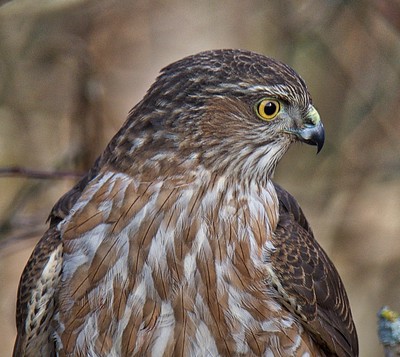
column 312, row 132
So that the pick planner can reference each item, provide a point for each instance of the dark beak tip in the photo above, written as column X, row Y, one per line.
column 320, row 142
column 313, row 136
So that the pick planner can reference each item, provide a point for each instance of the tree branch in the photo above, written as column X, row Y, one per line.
column 38, row 174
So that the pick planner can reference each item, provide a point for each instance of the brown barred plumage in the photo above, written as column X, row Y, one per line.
column 178, row 243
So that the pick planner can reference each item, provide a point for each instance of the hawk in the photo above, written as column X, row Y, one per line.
column 178, row 243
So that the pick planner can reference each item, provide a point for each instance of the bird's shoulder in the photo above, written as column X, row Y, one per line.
column 289, row 205
column 63, row 206
column 308, row 282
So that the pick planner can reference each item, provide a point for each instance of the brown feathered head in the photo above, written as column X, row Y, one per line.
column 230, row 111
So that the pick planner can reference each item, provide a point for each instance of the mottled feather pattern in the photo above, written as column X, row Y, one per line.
column 178, row 243
column 36, row 296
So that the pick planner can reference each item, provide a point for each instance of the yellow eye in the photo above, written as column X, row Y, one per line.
column 268, row 109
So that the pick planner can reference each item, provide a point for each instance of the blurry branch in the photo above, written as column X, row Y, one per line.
column 28, row 193
column 29, row 231
column 37, row 174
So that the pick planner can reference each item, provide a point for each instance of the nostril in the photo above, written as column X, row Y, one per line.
column 307, row 122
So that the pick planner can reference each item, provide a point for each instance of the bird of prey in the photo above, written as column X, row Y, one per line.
column 178, row 243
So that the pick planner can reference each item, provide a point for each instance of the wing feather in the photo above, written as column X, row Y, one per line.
column 312, row 288
column 35, row 303
column 40, row 278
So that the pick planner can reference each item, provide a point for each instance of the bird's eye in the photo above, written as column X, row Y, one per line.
column 268, row 109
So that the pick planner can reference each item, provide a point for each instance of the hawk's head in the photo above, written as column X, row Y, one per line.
column 231, row 111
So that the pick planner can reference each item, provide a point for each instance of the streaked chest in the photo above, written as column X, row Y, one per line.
column 169, row 268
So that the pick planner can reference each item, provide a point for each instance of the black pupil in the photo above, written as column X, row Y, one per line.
column 270, row 108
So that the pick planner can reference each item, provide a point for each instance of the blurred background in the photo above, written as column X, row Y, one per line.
column 71, row 70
